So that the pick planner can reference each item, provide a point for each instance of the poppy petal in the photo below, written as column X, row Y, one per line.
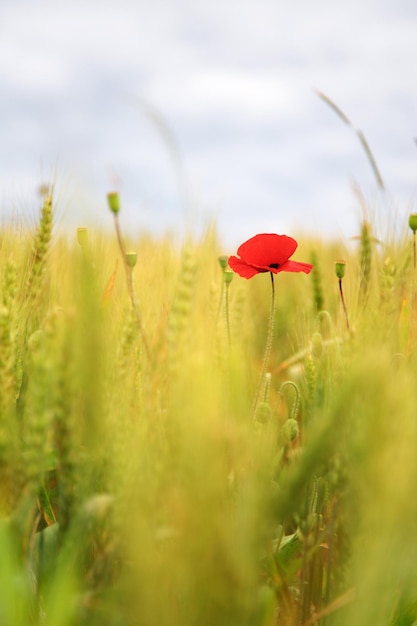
column 267, row 249
column 295, row 266
column 242, row 268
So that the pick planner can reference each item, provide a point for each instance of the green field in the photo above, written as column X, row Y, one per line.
column 163, row 463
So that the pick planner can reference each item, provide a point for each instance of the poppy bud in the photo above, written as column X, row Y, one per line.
column 82, row 236
column 412, row 222
column 263, row 413
column 340, row 269
column 113, row 200
column 131, row 258
column 228, row 276
column 290, row 430
column 223, row 262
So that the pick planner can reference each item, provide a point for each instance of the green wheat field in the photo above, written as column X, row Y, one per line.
column 157, row 469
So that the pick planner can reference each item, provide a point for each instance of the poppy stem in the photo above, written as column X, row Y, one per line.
column 268, row 345
column 129, row 281
column 227, row 316
column 344, row 304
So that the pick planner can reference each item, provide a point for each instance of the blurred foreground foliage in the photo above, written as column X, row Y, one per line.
column 136, row 488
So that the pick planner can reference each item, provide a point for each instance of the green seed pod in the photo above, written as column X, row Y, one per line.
column 263, row 413
column 412, row 222
column 223, row 262
column 131, row 258
column 290, row 430
column 340, row 269
column 113, row 200
column 228, row 276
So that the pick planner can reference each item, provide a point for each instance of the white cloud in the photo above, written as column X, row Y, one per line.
column 224, row 92
column 234, row 82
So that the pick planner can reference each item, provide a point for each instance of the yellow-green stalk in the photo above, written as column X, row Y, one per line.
column 129, row 262
column 316, row 278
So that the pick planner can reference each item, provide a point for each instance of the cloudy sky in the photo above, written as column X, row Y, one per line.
column 193, row 109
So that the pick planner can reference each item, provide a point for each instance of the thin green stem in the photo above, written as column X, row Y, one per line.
column 227, row 316
column 267, row 387
column 129, row 281
column 119, row 237
column 268, row 346
column 344, row 304
column 296, row 403
column 414, row 290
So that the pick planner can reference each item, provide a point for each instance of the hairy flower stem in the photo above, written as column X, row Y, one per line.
column 268, row 346
column 227, row 316
column 129, row 281
column 119, row 235
column 344, row 304
column 297, row 400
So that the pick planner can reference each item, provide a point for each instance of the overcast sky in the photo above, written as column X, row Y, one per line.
column 210, row 106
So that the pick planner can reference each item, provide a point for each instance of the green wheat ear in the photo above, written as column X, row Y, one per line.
column 178, row 322
column 317, row 282
column 9, row 283
column 39, row 252
column 365, row 254
column 9, row 384
column 6, row 363
column 8, row 288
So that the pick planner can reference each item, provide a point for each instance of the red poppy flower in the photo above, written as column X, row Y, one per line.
column 267, row 253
